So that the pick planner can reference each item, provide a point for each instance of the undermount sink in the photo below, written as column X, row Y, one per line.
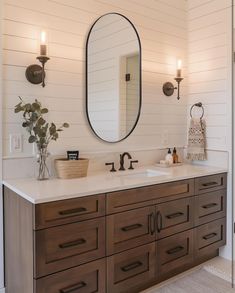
column 144, row 174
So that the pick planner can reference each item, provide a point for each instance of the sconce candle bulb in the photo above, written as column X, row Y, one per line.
column 43, row 46
column 179, row 65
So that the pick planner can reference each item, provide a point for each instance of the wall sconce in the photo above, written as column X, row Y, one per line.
column 36, row 73
column 168, row 87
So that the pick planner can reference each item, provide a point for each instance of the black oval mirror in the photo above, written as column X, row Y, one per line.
column 113, row 77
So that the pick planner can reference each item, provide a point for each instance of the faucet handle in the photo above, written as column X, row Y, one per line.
column 131, row 164
column 111, row 164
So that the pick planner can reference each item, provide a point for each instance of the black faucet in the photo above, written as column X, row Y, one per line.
column 122, row 156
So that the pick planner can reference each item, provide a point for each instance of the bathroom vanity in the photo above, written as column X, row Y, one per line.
column 108, row 233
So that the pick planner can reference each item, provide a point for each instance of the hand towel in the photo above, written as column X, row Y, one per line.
column 196, row 140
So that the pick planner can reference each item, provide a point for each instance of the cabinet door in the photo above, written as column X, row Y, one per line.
column 174, row 216
column 88, row 278
column 174, row 253
column 131, row 270
column 209, row 237
column 65, row 246
column 130, row 229
column 210, row 206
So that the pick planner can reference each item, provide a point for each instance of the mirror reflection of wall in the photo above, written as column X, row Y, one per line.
column 113, row 77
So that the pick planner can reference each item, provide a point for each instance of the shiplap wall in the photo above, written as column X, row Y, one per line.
column 163, row 34
column 209, row 81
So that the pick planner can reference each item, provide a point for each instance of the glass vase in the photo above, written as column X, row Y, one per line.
column 43, row 171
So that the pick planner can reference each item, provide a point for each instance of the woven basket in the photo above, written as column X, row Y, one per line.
column 68, row 169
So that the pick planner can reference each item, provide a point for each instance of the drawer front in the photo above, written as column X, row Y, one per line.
column 88, row 278
column 130, row 229
column 62, row 247
column 138, row 197
column 210, row 206
column 210, row 183
column 128, row 271
column 174, row 217
column 210, row 237
column 68, row 211
column 174, row 252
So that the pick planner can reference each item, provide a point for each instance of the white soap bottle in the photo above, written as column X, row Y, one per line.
column 169, row 157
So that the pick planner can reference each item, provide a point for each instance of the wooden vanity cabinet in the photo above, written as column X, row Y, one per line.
column 117, row 242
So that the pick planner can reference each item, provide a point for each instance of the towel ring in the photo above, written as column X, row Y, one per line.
column 199, row 104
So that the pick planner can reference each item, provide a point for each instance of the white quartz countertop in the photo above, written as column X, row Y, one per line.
column 58, row 189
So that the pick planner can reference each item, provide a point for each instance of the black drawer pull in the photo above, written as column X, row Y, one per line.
column 175, row 215
column 132, row 266
column 72, row 211
column 209, row 205
column 175, row 249
column 151, row 223
column 159, row 221
column 72, row 243
column 131, row 227
column 209, row 236
column 73, row 288
column 210, row 184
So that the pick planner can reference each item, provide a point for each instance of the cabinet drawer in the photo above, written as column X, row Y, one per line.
column 62, row 247
column 128, row 271
column 210, row 206
column 68, row 211
column 120, row 201
column 89, row 278
column 175, row 216
column 210, row 237
column 174, row 252
column 210, row 183
column 130, row 229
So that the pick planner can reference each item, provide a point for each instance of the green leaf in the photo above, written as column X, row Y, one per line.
column 18, row 109
column 41, row 121
column 66, row 125
column 35, row 106
column 25, row 124
column 44, row 111
column 52, row 129
column 32, row 139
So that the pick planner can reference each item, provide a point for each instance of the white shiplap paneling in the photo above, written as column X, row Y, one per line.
column 162, row 29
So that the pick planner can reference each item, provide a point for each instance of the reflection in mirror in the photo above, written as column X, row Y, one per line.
column 113, row 77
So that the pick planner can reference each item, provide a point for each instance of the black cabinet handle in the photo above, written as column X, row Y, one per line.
column 209, row 236
column 175, row 249
column 175, row 215
column 72, row 243
column 209, row 205
column 132, row 266
column 159, row 221
column 73, row 287
column 72, row 211
column 210, row 184
column 131, row 227
column 151, row 223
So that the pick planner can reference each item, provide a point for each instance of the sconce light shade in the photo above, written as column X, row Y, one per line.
column 36, row 73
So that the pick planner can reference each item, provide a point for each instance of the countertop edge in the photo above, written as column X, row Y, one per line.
column 107, row 190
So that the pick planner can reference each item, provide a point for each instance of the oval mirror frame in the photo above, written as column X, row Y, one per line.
column 140, row 78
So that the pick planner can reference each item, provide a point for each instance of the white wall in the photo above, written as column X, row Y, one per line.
column 162, row 29
column 209, row 81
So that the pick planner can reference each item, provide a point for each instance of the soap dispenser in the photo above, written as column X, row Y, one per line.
column 175, row 156
column 169, row 158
